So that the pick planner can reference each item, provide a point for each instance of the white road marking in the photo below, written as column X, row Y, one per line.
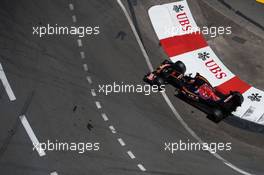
column 74, row 19
column 98, row 105
column 112, row 129
column 79, row 41
column 131, row 155
column 141, row 167
column 54, row 173
column 82, row 54
column 121, row 141
column 176, row 114
column 6, row 84
column 31, row 135
column 104, row 117
column 93, row 92
column 71, row 6
column 85, row 67
column 89, row 79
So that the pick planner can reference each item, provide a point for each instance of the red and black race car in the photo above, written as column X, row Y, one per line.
column 196, row 91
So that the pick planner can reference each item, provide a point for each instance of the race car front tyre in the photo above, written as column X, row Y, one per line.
column 238, row 98
column 216, row 116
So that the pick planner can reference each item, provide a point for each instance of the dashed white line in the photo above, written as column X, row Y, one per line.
column 82, row 54
column 54, row 173
column 32, row 135
column 131, row 155
column 112, row 129
column 79, row 41
column 104, row 117
column 121, row 141
column 98, row 104
column 89, row 79
column 141, row 167
column 85, row 67
column 6, row 84
column 74, row 19
column 93, row 92
column 71, row 6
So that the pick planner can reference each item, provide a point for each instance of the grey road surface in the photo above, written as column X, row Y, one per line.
column 49, row 79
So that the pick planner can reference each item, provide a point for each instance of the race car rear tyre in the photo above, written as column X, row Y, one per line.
column 179, row 66
column 216, row 116
column 159, row 81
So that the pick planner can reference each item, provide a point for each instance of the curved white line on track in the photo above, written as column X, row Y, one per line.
column 176, row 114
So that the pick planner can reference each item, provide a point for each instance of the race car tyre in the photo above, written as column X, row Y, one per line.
column 238, row 98
column 166, row 72
column 180, row 67
column 160, row 82
column 235, row 102
column 145, row 79
column 216, row 116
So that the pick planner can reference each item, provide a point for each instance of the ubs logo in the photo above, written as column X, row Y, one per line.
column 255, row 97
column 212, row 65
column 182, row 17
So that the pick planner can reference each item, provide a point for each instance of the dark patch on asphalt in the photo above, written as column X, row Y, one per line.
column 121, row 35
column 89, row 125
column 239, row 39
column 74, row 108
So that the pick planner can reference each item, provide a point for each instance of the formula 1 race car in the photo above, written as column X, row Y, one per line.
column 196, row 91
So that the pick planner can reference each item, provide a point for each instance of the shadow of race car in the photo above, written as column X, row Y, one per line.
column 196, row 91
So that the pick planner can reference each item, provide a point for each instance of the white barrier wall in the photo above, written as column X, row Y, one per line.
column 171, row 23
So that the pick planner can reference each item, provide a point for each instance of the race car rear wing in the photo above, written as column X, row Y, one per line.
column 181, row 40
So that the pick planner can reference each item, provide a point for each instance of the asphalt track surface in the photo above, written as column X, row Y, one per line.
column 49, row 80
